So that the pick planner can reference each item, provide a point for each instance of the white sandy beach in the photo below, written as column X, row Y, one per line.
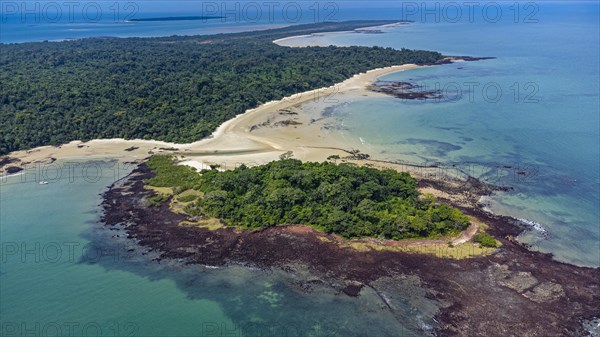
column 235, row 141
column 306, row 40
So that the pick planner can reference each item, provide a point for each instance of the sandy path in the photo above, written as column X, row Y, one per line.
column 464, row 237
column 468, row 234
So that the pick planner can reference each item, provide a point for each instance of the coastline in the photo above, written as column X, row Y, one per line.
column 233, row 138
column 537, row 287
column 498, row 277
column 288, row 41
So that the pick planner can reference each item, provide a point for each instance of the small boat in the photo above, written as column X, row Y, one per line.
column 43, row 183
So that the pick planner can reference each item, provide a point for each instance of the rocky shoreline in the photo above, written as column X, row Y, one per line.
column 413, row 91
column 514, row 291
column 406, row 90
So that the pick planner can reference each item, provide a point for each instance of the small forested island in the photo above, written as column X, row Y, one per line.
column 178, row 18
column 342, row 199
column 334, row 220
column 348, row 225
column 176, row 89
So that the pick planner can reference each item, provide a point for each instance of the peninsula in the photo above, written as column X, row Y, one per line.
column 178, row 18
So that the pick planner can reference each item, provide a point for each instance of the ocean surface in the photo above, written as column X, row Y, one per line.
column 61, row 271
column 528, row 119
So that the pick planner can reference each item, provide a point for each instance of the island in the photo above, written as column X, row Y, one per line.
column 178, row 18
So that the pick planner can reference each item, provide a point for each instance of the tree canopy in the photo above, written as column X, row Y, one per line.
column 176, row 89
column 344, row 199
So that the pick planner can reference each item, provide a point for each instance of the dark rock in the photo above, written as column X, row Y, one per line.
column 512, row 292
column 353, row 289
column 13, row 169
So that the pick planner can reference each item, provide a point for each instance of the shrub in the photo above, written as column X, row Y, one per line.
column 485, row 240
column 157, row 200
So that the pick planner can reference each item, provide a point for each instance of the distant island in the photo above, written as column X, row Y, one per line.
column 178, row 18
column 205, row 218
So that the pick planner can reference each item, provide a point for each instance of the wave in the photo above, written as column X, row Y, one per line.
column 535, row 225
column 211, row 267
column 540, row 228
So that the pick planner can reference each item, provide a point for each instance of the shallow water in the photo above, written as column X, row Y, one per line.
column 528, row 119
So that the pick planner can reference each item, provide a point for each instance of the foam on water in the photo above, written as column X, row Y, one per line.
column 535, row 225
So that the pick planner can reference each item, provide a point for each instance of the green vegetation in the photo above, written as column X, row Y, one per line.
column 169, row 174
column 344, row 199
column 187, row 198
column 176, row 89
column 485, row 240
column 157, row 200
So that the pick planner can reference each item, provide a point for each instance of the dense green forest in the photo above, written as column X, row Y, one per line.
column 345, row 199
column 175, row 89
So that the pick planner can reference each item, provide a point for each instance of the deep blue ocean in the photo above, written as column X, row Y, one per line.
column 535, row 109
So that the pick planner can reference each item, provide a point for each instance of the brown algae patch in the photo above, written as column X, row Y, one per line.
column 462, row 251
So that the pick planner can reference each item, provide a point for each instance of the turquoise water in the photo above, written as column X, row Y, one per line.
column 534, row 108
column 64, row 274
